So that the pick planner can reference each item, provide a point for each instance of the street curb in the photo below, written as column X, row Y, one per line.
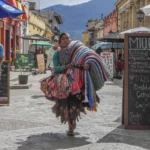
column 15, row 78
column 109, row 83
column 19, row 86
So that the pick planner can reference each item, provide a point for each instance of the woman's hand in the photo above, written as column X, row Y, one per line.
column 86, row 67
column 69, row 66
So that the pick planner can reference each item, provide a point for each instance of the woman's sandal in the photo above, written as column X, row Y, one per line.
column 70, row 133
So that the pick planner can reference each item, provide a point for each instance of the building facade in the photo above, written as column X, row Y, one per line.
column 52, row 18
column 10, row 36
column 111, row 22
column 36, row 24
column 127, row 10
column 48, row 32
column 92, row 32
column 24, row 30
column 99, row 27
column 85, row 38
column 10, row 32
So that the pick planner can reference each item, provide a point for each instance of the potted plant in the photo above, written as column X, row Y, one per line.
column 23, row 67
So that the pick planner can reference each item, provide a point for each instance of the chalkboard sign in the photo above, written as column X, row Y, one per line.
column 4, row 83
column 137, row 81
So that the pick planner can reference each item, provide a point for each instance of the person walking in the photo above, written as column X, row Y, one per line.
column 51, row 52
column 1, row 55
column 99, row 50
column 74, row 83
column 1, row 58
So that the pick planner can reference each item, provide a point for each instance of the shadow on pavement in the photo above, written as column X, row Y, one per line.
column 37, row 96
column 51, row 141
column 118, row 82
column 130, row 137
column 118, row 120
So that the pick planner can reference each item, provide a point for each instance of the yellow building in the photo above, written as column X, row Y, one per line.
column 85, row 37
column 48, row 33
column 99, row 27
column 36, row 25
column 127, row 10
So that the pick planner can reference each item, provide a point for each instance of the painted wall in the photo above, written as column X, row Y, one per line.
column 111, row 23
column 85, row 37
column 36, row 25
column 10, row 36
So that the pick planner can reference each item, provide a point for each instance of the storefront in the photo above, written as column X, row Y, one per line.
column 10, row 33
column 10, row 36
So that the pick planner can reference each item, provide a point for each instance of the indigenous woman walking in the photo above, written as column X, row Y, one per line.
column 78, row 74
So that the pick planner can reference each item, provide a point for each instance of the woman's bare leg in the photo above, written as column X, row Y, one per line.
column 71, row 127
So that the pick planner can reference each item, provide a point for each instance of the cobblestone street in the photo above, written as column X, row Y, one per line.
column 29, row 124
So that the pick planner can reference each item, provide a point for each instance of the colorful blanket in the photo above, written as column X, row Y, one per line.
column 93, row 79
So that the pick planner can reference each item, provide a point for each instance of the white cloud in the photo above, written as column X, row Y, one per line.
column 46, row 3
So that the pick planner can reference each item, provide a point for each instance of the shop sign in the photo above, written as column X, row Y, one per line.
column 41, row 62
column 109, row 59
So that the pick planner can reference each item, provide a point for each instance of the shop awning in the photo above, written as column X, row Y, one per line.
column 146, row 10
column 42, row 43
column 112, row 37
column 35, row 37
column 107, row 46
column 136, row 30
column 25, row 15
column 7, row 10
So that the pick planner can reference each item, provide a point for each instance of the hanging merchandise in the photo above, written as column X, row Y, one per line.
column 109, row 59
column 25, row 15
column 12, row 2
column 19, row 6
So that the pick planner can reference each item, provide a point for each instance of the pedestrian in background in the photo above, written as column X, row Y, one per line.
column 98, row 51
column 1, row 58
column 1, row 54
column 51, row 52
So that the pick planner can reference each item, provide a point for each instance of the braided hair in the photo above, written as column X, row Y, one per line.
column 62, row 34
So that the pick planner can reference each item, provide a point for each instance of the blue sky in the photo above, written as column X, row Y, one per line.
column 46, row 3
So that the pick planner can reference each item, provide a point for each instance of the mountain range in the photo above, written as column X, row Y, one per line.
column 75, row 17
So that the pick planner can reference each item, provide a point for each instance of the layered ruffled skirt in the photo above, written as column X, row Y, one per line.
column 58, row 89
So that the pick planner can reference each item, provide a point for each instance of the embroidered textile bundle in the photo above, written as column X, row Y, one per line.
column 94, row 78
column 58, row 86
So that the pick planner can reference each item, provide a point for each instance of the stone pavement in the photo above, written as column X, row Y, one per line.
column 14, row 75
column 29, row 124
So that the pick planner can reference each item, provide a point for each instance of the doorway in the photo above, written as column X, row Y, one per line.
column 7, row 51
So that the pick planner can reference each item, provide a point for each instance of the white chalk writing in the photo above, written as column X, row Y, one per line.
column 135, row 118
column 139, row 43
